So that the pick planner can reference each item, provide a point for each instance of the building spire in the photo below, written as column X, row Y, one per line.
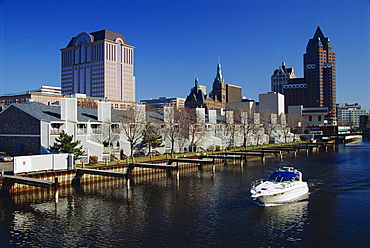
column 197, row 83
column 219, row 71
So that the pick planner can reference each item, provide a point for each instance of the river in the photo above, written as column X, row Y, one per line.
column 205, row 209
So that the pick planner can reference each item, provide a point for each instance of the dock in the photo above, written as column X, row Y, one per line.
column 9, row 181
column 153, row 166
column 106, row 173
column 189, row 160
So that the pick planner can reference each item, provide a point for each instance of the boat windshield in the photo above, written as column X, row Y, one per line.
column 283, row 177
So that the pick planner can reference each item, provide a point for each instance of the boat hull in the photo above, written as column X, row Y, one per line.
column 292, row 195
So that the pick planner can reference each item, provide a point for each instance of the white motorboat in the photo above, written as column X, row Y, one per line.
column 284, row 185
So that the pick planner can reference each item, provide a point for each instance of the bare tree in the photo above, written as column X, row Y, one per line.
column 232, row 120
column 171, row 128
column 87, row 103
column 269, row 120
column 257, row 127
column 183, row 126
column 294, row 124
column 192, row 127
column 195, row 128
column 246, row 125
column 132, row 123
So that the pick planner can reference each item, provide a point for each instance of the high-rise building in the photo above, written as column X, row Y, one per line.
column 99, row 64
column 281, row 77
column 320, row 73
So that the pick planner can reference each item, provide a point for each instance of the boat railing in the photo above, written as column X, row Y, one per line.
column 257, row 182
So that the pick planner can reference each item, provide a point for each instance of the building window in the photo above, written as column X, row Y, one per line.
column 82, row 52
column 76, row 56
column 310, row 118
column 88, row 48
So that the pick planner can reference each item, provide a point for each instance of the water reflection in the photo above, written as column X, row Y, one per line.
column 201, row 209
column 286, row 220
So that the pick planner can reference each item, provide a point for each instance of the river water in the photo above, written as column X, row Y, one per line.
column 205, row 209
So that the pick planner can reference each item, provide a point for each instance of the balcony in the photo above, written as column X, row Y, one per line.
column 56, row 128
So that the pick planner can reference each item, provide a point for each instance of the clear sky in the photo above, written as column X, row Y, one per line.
column 178, row 41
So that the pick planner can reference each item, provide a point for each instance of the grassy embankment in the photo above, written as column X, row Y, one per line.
column 179, row 155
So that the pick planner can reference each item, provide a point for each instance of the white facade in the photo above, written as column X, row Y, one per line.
column 349, row 114
column 311, row 116
column 48, row 90
column 273, row 102
column 99, row 64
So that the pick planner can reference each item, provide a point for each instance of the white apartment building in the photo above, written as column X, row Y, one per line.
column 349, row 114
column 99, row 64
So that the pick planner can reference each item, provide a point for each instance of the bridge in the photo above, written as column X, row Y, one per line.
column 345, row 137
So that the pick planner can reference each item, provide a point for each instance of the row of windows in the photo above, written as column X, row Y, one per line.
column 97, row 94
column 98, row 72
column 67, row 90
column 109, row 82
column 110, row 52
column 97, row 76
column 82, row 54
column 67, row 72
column 98, row 80
column 66, row 77
column 67, row 58
column 81, row 66
column 98, row 67
column 110, row 72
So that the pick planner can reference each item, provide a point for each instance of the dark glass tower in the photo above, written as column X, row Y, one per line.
column 320, row 73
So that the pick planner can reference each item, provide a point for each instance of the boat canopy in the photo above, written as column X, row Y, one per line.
column 284, row 176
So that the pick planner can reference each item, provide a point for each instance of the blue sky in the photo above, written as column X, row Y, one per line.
column 178, row 41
